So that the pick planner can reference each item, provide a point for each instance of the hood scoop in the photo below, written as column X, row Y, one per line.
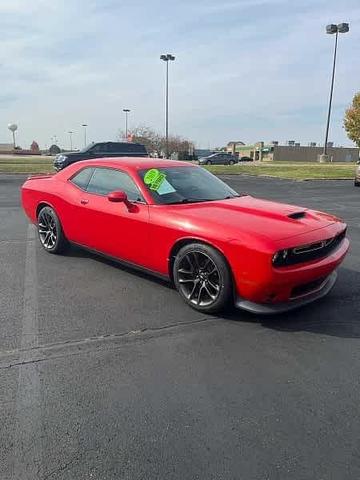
column 297, row 215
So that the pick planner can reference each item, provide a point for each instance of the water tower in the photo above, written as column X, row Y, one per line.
column 13, row 127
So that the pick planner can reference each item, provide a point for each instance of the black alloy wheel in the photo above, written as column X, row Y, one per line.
column 202, row 277
column 50, row 232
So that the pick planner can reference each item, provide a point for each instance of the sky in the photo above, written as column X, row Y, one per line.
column 246, row 70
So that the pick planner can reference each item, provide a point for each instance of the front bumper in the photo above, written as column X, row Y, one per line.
column 58, row 166
column 271, row 309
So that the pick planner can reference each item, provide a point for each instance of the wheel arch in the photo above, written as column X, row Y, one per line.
column 187, row 241
column 42, row 205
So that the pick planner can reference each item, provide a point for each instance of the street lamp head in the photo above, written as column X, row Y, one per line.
column 84, row 124
column 343, row 27
column 331, row 28
column 340, row 28
column 167, row 57
column 127, row 110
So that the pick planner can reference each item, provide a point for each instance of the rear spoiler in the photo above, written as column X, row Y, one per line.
column 45, row 175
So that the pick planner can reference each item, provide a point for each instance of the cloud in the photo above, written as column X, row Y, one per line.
column 244, row 69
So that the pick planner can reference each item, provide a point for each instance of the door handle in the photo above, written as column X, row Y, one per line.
column 84, row 202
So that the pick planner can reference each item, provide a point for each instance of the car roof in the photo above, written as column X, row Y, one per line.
column 117, row 143
column 133, row 163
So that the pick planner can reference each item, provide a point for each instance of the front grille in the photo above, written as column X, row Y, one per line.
column 313, row 251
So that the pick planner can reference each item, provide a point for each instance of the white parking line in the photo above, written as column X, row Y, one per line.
column 27, row 444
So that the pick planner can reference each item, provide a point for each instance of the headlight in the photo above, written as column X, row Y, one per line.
column 279, row 258
column 60, row 158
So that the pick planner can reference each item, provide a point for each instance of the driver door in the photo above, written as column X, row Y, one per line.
column 112, row 228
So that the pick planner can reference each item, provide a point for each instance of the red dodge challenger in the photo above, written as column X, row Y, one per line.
column 180, row 222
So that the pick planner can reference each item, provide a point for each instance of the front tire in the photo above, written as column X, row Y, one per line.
column 50, row 231
column 202, row 278
column 231, row 162
column 208, row 162
column 356, row 183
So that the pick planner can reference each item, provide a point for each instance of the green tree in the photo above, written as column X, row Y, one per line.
column 352, row 120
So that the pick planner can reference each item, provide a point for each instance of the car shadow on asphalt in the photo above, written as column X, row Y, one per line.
column 78, row 252
column 337, row 315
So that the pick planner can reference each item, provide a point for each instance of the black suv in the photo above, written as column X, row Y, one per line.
column 100, row 150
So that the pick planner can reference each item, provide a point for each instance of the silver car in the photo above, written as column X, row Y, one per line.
column 220, row 158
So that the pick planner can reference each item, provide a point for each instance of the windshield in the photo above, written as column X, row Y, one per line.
column 184, row 185
column 87, row 148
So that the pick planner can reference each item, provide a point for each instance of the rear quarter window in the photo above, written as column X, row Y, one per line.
column 82, row 178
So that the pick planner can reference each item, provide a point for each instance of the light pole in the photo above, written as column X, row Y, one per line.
column 126, row 111
column 84, row 125
column 331, row 29
column 166, row 58
column 70, row 135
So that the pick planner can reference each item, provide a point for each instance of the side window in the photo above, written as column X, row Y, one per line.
column 99, row 148
column 114, row 148
column 82, row 178
column 106, row 180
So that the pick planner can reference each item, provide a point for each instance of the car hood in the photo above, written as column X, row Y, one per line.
column 72, row 154
column 263, row 218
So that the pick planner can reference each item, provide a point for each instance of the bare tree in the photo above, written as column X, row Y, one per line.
column 156, row 143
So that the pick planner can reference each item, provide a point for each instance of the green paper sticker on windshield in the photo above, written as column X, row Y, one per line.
column 155, row 185
column 151, row 175
column 154, row 178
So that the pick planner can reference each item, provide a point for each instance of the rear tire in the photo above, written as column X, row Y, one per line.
column 231, row 162
column 208, row 162
column 202, row 278
column 356, row 183
column 50, row 231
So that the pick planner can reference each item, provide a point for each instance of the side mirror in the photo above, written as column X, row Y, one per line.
column 121, row 197
column 117, row 197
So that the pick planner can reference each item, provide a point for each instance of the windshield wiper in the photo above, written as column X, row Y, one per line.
column 197, row 200
column 191, row 200
column 236, row 196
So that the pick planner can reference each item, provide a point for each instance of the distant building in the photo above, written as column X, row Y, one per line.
column 6, row 147
column 35, row 147
column 240, row 149
column 292, row 152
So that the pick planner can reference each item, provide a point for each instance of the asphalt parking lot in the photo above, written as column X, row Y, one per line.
column 106, row 374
